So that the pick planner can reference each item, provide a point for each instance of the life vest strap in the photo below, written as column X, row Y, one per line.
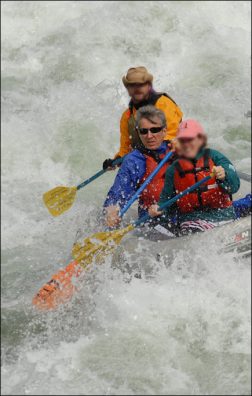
column 195, row 169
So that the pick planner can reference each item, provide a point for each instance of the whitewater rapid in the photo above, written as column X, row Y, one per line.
column 186, row 331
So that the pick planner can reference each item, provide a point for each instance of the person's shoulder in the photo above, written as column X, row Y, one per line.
column 214, row 153
column 164, row 101
column 218, row 157
column 133, row 163
column 125, row 114
column 133, row 157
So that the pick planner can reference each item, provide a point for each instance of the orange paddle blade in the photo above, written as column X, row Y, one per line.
column 59, row 289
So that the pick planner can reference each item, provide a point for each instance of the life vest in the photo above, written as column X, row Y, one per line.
column 208, row 196
column 133, row 135
column 152, row 192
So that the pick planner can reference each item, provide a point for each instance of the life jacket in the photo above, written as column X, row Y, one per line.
column 152, row 192
column 152, row 100
column 208, row 196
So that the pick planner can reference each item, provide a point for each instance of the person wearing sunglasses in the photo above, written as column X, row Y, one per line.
column 151, row 127
column 138, row 82
column 212, row 203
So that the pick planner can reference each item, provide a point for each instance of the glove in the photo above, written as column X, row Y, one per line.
column 108, row 163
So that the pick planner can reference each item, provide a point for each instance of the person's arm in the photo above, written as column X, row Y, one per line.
column 173, row 116
column 231, row 182
column 125, row 185
column 125, row 146
column 126, row 181
column 243, row 206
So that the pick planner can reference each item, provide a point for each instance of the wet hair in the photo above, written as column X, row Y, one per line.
column 150, row 112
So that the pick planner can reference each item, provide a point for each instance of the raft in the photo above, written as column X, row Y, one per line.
column 147, row 246
column 155, row 246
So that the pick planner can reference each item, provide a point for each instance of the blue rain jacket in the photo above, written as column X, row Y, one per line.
column 128, row 178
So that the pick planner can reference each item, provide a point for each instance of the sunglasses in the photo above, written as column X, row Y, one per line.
column 144, row 131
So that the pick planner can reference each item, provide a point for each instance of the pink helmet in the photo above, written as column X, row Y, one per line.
column 190, row 129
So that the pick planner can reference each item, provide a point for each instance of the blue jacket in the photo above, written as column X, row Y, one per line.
column 242, row 206
column 128, row 178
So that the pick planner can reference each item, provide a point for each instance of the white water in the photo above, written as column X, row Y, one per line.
column 62, row 97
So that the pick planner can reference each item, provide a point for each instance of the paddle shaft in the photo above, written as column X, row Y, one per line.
column 117, row 161
column 244, row 176
column 174, row 199
column 147, row 181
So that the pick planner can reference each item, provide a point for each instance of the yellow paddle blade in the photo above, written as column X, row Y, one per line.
column 98, row 245
column 59, row 199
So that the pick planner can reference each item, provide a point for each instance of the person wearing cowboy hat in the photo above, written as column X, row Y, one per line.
column 138, row 82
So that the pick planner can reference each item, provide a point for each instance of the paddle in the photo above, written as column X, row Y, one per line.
column 244, row 176
column 102, row 243
column 61, row 288
column 60, row 199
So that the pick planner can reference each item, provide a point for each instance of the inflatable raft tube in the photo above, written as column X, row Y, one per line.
column 140, row 249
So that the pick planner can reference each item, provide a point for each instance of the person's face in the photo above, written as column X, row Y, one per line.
column 151, row 141
column 139, row 92
column 189, row 148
